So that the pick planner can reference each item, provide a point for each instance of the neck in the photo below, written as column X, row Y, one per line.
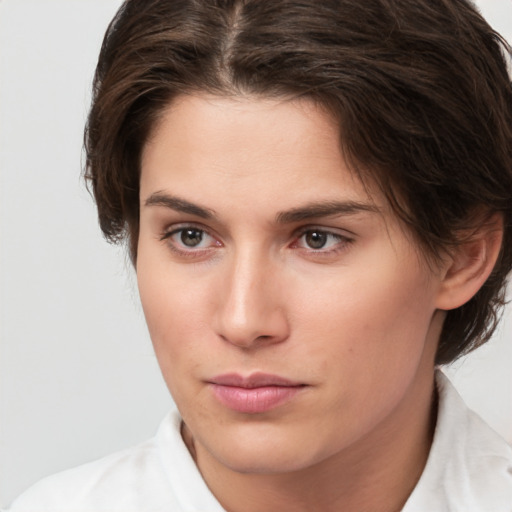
column 378, row 472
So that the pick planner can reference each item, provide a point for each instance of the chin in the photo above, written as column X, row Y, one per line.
column 264, row 450
column 265, row 463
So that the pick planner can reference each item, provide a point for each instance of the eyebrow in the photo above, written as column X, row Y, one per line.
column 309, row 211
column 178, row 204
column 324, row 209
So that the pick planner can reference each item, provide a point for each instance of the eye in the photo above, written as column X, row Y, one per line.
column 321, row 240
column 191, row 237
column 188, row 239
column 316, row 239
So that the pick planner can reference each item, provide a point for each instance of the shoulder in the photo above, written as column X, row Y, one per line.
column 469, row 467
column 130, row 480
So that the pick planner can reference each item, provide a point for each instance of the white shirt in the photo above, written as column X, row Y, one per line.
column 469, row 469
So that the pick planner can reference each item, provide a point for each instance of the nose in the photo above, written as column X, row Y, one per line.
column 251, row 311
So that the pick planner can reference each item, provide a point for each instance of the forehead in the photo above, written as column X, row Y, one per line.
column 288, row 149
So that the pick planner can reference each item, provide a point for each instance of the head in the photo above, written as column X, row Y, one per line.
column 317, row 200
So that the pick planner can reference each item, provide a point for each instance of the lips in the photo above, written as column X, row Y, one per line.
column 255, row 394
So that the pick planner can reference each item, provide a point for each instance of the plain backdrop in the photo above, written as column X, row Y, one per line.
column 78, row 378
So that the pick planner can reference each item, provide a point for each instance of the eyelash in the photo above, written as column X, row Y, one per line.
column 191, row 252
column 342, row 241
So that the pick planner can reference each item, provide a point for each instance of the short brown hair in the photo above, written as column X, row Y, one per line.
column 420, row 89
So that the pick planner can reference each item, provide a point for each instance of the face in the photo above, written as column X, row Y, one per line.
column 290, row 312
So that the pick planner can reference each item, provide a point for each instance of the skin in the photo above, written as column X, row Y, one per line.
column 356, row 321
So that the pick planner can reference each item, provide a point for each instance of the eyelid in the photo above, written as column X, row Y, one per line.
column 345, row 238
column 172, row 229
column 343, row 233
column 183, row 251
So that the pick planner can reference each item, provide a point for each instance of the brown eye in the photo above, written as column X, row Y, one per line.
column 190, row 240
column 191, row 237
column 320, row 241
column 315, row 239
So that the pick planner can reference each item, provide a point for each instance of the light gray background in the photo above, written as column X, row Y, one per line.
column 78, row 378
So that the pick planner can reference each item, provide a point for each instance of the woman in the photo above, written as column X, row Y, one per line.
column 318, row 203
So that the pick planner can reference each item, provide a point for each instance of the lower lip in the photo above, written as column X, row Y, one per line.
column 254, row 400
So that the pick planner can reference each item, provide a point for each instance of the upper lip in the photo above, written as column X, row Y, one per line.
column 255, row 380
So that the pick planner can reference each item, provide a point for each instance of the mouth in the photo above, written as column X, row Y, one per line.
column 255, row 394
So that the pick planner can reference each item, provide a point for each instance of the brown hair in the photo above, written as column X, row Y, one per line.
column 420, row 89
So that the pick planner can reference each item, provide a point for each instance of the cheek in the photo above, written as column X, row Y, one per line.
column 174, row 324
column 367, row 344
column 367, row 301
column 174, row 310
column 372, row 324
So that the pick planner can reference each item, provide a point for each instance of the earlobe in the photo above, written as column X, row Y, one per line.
column 470, row 264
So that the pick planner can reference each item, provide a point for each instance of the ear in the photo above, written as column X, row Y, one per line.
column 470, row 264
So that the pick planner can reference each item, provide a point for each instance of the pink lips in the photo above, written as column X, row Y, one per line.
column 254, row 394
